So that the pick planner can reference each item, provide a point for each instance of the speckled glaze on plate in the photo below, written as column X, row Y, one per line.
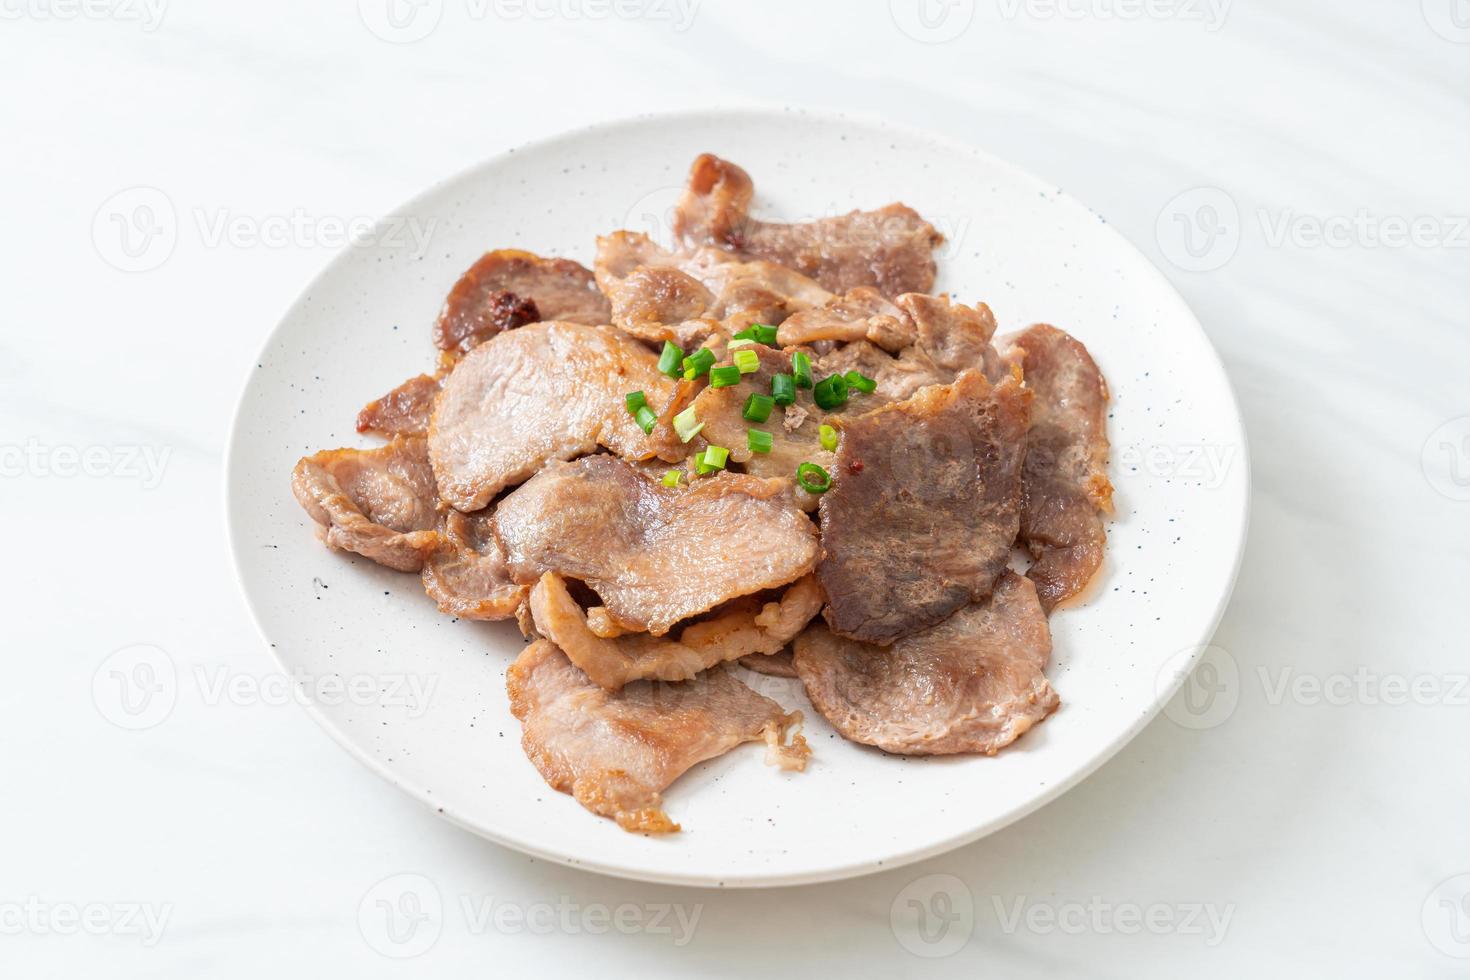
column 1031, row 252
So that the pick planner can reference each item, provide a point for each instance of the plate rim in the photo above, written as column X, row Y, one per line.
column 853, row 869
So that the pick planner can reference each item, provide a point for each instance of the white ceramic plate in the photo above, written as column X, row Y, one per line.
column 1179, row 464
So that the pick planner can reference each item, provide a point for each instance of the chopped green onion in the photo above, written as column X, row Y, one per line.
column 698, row 363
column 829, row 437
column 739, row 342
column 758, row 407
column 646, row 419
column 830, row 392
column 686, row 425
column 765, row 333
column 671, row 478
column 747, row 361
column 801, row 369
column 671, row 361
column 758, row 441
column 783, row 389
column 635, row 400
column 716, row 456
column 860, row 381
column 813, row 478
column 700, row 466
column 724, row 377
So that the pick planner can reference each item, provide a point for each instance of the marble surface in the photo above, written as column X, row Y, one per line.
column 173, row 176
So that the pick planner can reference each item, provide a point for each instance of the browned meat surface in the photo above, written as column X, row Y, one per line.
column 973, row 683
column 611, row 662
column 891, row 249
column 616, row 752
column 1066, row 482
column 378, row 503
column 404, row 411
column 688, row 296
column 653, row 554
column 774, row 664
column 466, row 575
column 546, row 391
column 859, row 314
column 508, row 288
column 924, row 507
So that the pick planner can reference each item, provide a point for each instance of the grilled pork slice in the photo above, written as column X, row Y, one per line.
column 890, row 249
column 611, row 662
column 378, row 503
column 404, row 411
column 546, row 391
column 508, row 288
column 690, row 296
column 654, row 554
column 466, row 574
column 924, row 507
column 973, row 683
column 616, row 752
column 1066, row 482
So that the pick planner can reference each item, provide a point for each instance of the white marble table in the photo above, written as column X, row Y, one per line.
column 1299, row 170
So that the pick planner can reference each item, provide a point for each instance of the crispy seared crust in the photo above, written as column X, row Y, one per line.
column 508, row 288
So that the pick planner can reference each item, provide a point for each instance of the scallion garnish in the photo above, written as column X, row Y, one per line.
column 716, row 456
column 686, row 425
column 698, row 363
column 700, row 466
column 748, row 361
column 829, row 437
column 646, row 419
column 724, row 377
column 758, row 441
column 757, row 407
column 635, row 400
column 737, row 342
column 765, row 333
column 671, row 478
column 860, row 381
column 830, row 392
column 813, row 478
column 801, row 369
column 783, row 389
column 671, row 361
